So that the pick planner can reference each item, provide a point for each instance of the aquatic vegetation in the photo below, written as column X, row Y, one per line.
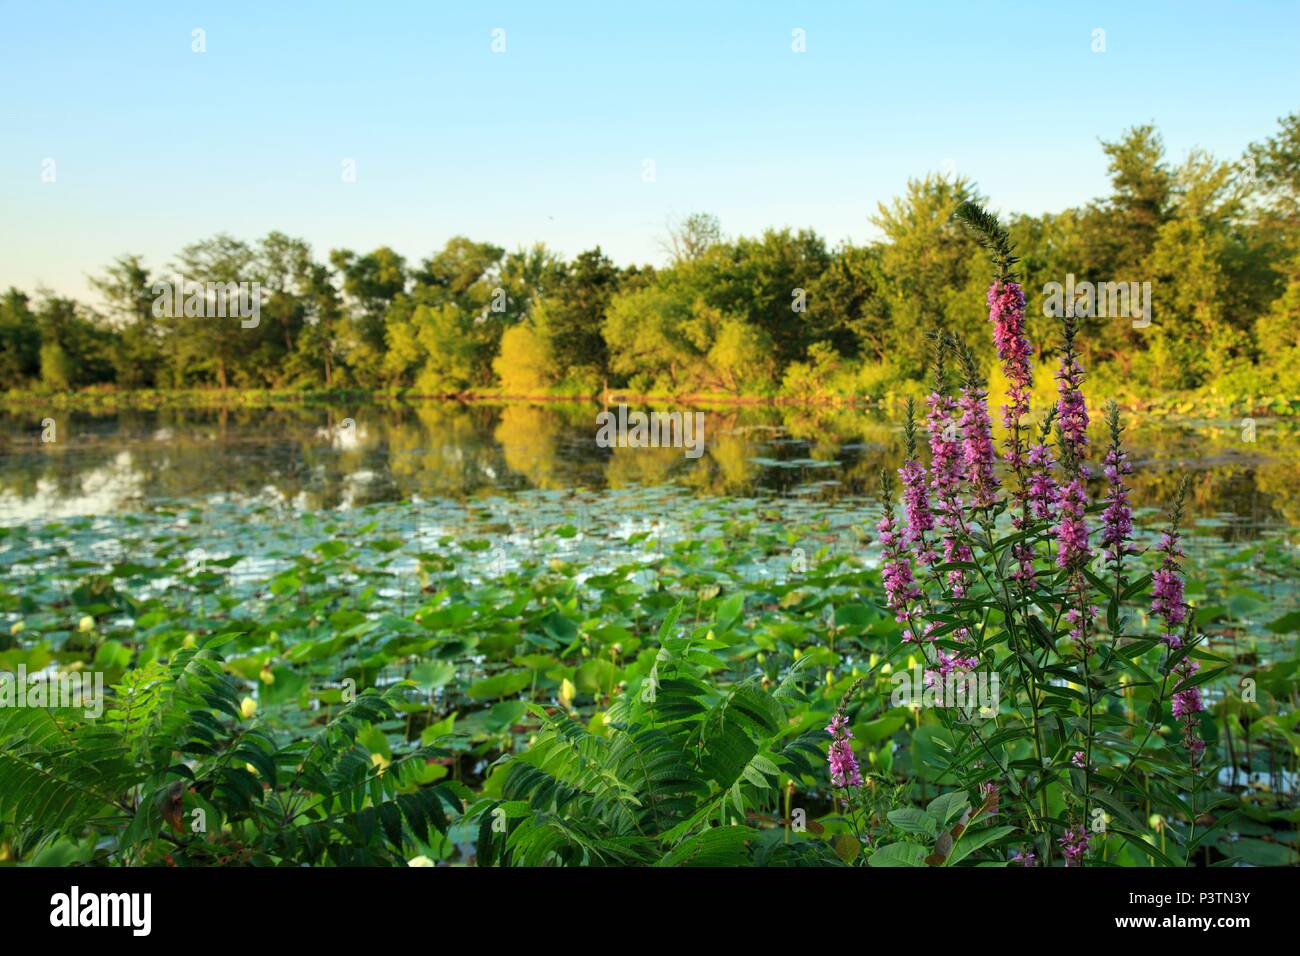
column 513, row 661
column 1014, row 663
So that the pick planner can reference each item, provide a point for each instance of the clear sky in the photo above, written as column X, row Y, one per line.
column 155, row 145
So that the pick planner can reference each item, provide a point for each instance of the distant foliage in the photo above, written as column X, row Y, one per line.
column 1219, row 241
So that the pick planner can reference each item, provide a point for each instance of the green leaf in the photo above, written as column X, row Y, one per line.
column 1286, row 624
column 595, row 677
column 947, row 807
column 729, row 610
column 719, row 846
column 913, row 820
column 898, row 854
column 500, row 685
column 969, row 842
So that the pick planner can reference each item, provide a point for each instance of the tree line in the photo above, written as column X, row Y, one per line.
column 779, row 313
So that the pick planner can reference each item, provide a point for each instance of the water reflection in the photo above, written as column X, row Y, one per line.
column 338, row 457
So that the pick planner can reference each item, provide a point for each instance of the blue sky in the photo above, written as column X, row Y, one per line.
column 155, row 146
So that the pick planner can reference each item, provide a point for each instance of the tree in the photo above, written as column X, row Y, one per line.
column 203, row 343
column 459, row 266
column 1274, row 169
column 318, row 347
column 1219, row 243
column 431, row 347
column 371, row 283
column 284, row 268
column 57, row 370
column 127, row 291
column 742, row 357
column 928, row 265
column 1196, row 337
column 767, row 281
column 575, row 314
column 645, row 329
column 20, row 340
column 74, row 351
column 443, row 335
column 848, row 301
column 526, row 364
column 691, row 237
column 1278, row 330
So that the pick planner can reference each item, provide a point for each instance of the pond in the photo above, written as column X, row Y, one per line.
column 326, row 458
column 511, row 474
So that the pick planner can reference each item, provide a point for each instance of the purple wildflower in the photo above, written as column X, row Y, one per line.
column 1071, row 408
column 1188, row 702
column 1187, row 705
column 1167, row 601
column 1006, row 302
column 1042, row 498
column 1072, row 530
column 843, row 764
column 977, row 445
column 900, row 587
column 916, row 505
column 945, row 481
column 1074, row 844
column 945, row 447
column 1079, row 625
column 948, row 664
column 916, row 496
column 1044, row 493
column 1024, row 569
column 908, row 636
column 1117, row 519
column 1007, row 312
column 1079, row 759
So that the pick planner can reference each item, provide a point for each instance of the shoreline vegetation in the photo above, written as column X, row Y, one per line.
column 1184, row 282
column 109, row 399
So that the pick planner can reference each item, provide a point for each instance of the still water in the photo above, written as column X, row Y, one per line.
column 316, row 458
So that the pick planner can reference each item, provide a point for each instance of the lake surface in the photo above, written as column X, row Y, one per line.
column 525, row 483
column 317, row 458
column 529, row 482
